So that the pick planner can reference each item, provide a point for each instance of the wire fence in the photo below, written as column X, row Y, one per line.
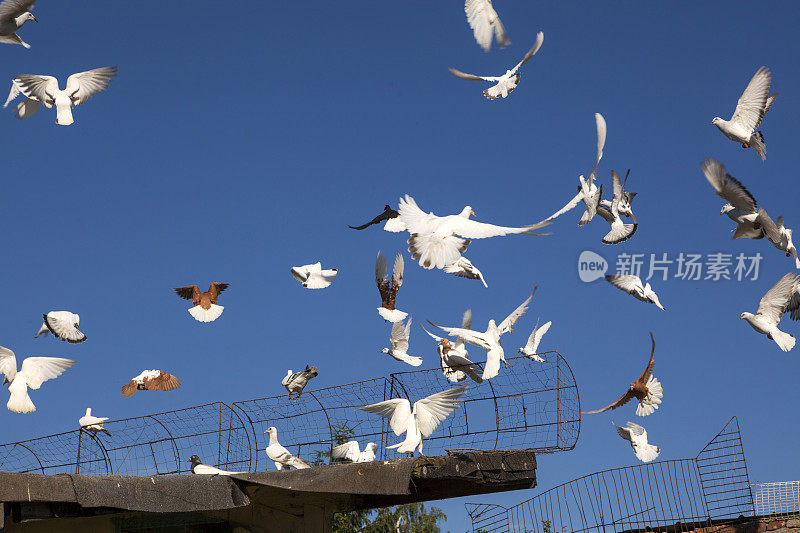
column 528, row 405
column 778, row 500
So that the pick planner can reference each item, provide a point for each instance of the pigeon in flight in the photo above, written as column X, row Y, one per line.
column 419, row 421
column 646, row 389
column 205, row 303
column 434, row 239
column 490, row 339
column 280, row 455
column 351, row 451
column 388, row 287
column 506, row 83
column 741, row 206
column 401, row 333
column 779, row 235
column 463, row 268
column 199, row 468
column 633, row 286
column 13, row 15
column 63, row 325
column 93, row 424
column 34, row 372
column 771, row 308
column 392, row 218
column 637, row 436
column 26, row 108
column 533, row 342
column 485, row 24
column 454, row 358
column 313, row 277
column 620, row 231
column 626, row 199
column 295, row 382
column 80, row 87
column 151, row 380
column 750, row 110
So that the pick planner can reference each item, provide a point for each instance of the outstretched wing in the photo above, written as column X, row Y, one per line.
column 466, row 335
column 531, row 52
column 397, row 272
column 752, row 104
column 215, row 288
column 485, row 23
column 163, row 381
column 627, row 282
column 507, row 325
column 728, row 187
column 625, row 398
column 83, row 85
column 648, row 370
column 399, row 336
column 472, row 77
column 349, row 450
column 378, row 219
column 188, row 293
column 431, row 411
column 777, row 300
column 396, row 410
column 8, row 363
column 436, row 338
column 37, row 370
column 42, row 88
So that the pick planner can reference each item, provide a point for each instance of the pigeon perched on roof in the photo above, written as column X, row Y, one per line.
column 506, row 83
column 34, row 372
column 620, row 231
column 633, row 285
column 741, row 206
column 463, row 268
column 779, row 235
column 205, row 303
column 199, row 468
column 151, row 380
column 392, row 218
column 750, row 110
column 454, row 358
column 13, row 15
column 485, row 24
column 420, row 421
column 388, row 287
column 295, row 382
column 93, row 424
column 80, row 87
column 63, row 325
column 646, row 389
column 779, row 299
column 534, row 339
column 313, row 277
column 637, row 436
column 280, row 455
column 399, row 338
column 351, row 451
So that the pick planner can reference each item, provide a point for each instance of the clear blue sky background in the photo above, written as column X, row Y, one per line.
column 240, row 140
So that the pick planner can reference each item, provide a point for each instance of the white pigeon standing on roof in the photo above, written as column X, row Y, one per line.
column 313, row 276
column 13, row 15
column 80, row 87
column 24, row 109
column 463, row 268
column 741, row 206
column 533, row 342
column 779, row 235
column 633, row 285
column 279, row 454
column 199, row 468
column 620, row 231
column 771, row 309
column 34, row 372
column 399, row 338
column 506, row 83
column 454, row 358
column 490, row 339
column 351, row 451
column 750, row 110
column 419, row 421
column 63, row 325
column 93, row 424
column 637, row 436
column 485, row 23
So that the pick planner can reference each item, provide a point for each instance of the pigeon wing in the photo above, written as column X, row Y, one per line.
column 536, row 337
column 37, row 370
column 431, row 411
column 349, row 450
column 63, row 327
column 602, row 130
column 8, row 363
column 188, row 293
column 399, row 336
column 466, row 335
column 484, row 22
column 129, row 389
column 163, row 381
column 625, row 398
column 768, row 226
column 628, row 282
column 396, row 410
column 436, row 338
column 752, row 104
column 397, row 272
column 377, row 220
column 648, row 370
column 507, row 325
column 531, row 52
column 464, row 76
column 83, row 85
column 728, row 187
column 778, row 298
column 466, row 319
column 215, row 289
column 793, row 308
column 42, row 88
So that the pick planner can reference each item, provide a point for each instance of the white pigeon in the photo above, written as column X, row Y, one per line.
column 34, row 372
column 93, row 424
column 490, row 339
column 26, row 108
column 313, row 277
column 280, row 455
column 506, row 83
column 750, row 109
column 199, row 468
column 533, row 341
column 741, row 206
column 463, row 268
column 420, row 421
column 63, row 325
column 626, row 199
column 771, row 309
column 620, row 231
column 13, row 15
column 80, row 87
column 633, row 286
column 454, row 358
column 779, row 235
column 637, row 436
column 434, row 240
column 401, row 333
column 352, row 452
column 485, row 23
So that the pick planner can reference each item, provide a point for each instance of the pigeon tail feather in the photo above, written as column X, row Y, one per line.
column 393, row 315
column 20, row 402
column 758, row 144
column 64, row 113
column 784, row 341
column 206, row 315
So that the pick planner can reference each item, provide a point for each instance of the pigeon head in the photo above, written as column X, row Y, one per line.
column 372, row 446
column 445, row 343
column 195, row 460
column 716, row 121
column 271, row 430
column 387, row 207
column 25, row 17
column 385, row 350
column 743, row 315
column 312, row 371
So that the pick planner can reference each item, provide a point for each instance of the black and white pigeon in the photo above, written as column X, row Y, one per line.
column 626, row 199
column 199, row 468
column 93, row 424
column 295, row 382
column 620, row 231
column 741, row 207
column 63, row 325
column 392, row 218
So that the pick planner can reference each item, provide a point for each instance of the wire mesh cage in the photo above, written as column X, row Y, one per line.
column 779, row 499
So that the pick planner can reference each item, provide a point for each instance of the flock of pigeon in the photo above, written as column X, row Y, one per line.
column 435, row 242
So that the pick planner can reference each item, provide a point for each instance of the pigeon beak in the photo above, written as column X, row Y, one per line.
column 34, row 19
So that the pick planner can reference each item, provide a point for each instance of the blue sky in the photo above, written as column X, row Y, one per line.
column 238, row 142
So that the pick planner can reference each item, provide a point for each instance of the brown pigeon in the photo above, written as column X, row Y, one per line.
column 388, row 287
column 205, row 303
column 151, row 380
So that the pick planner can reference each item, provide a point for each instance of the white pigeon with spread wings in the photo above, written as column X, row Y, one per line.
column 633, row 285
column 13, row 15
column 280, row 455
column 750, row 110
column 34, row 372
column 533, row 341
column 63, row 325
column 351, row 451
column 506, row 83
column 439, row 241
column 620, row 231
column 399, row 338
column 463, row 268
column 490, row 339
column 419, row 421
column 313, row 276
column 25, row 109
column 93, row 424
column 771, row 309
column 779, row 235
column 741, row 206
column 637, row 436
column 485, row 23
column 80, row 87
